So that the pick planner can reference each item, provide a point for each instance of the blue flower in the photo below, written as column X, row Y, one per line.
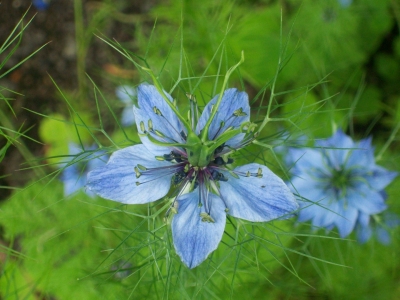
column 338, row 181
column 286, row 142
column 191, row 157
column 78, row 165
column 345, row 3
column 378, row 225
column 126, row 94
column 41, row 4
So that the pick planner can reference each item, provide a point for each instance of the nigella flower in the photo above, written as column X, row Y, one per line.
column 378, row 225
column 41, row 4
column 339, row 181
column 78, row 165
column 345, row 3
column 191, row 156
column 126, row 94
column 287, row 142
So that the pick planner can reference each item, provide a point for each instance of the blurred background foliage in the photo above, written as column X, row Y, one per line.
column 336, row 65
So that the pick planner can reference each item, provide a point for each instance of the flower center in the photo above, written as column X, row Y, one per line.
column 340, row 179
column 199, row 155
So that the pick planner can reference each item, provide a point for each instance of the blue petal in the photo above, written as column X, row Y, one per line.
column 41, row 4
column 167, row 123
column 382, row 235
column 346, row 220
column 257, row 199
column 232, row 100
column 364, row 233
column 128, row 116
column 306, row 160
column 96, row 160
column 156, row 150
column 117, row 180
column 345, row 3
column 366, row 200
column 338, row 147
column 194, row 239
column 307, row 188
column 378, row 178
column 325, row 212
column 362, row 155
column 72, row 185
column 363, row 219
column 125, row 93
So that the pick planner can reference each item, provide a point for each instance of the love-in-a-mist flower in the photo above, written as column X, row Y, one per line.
column 338, row 180
column 345, row 3
column 191, row 156
column 78, row 165
column 41, row 4
column 377, row 225
column 126, row 94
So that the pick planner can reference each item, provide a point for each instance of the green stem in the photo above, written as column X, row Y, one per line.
column 159, row 88
column 22, row 148
column 388, row 142
column 204, row 132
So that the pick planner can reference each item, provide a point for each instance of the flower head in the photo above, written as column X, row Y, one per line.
column 126, row 94
column 41, row 4
column 339, row 181
column 191, row 156
column 345, row 3
column 378, row 225
column 80, row 163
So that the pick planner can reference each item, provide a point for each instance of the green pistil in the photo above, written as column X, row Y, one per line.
column 340, row 179
column 214, row 109
column 199, row 155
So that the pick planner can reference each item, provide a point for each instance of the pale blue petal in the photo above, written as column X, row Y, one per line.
column 313, row 212
column 141, row 116
column 126, row 93
column 367, row 201
column 306, row 160
column 362, row 155
column 363, row 234
column 346, row 220
column 382, row 235
column 378, row 178
column 74, row 175
column 306, row 187
column 117, row 180
column 128, row 116
column 232, row 100
column 337, row 148
column 257, row 199
column 363, row 219
column 306, row 212
column 325, row 213
column 318, row 205
column 41, row 4
column 167, row 124
column 345, row 3
column 72, row 185
column 194, row 239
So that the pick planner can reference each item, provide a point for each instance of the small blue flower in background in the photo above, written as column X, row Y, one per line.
column 345, row 3
column 191, row 156
column 339, row 181
column 378, row 225
column 41, row 4
column 286, row 142
column 74, row 175
column 126, row 94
